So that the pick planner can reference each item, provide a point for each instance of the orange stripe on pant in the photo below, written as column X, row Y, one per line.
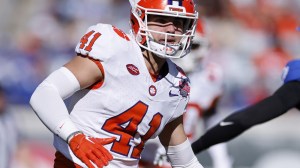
column 61, row 161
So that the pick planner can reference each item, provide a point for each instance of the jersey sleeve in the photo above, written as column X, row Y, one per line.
column 100, row 42
column 291, row 72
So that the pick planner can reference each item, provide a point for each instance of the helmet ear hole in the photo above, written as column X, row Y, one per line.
column 187, row 24
column 195, row 46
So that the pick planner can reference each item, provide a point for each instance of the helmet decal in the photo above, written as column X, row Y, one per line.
column 175, row 2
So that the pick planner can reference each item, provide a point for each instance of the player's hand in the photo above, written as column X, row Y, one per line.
column 89, row 149
column 160, row 157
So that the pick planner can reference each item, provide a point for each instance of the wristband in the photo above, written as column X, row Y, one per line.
column 72, row 135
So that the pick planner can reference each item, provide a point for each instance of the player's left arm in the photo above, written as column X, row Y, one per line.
column 176, row 143
column 285, row 98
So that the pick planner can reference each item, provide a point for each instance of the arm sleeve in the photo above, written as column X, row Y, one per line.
column 47, row 101
column 182, row 156
column 285, row 98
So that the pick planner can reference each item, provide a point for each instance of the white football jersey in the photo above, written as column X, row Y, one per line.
column 128, row 104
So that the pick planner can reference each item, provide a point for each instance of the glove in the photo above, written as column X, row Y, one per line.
column 160, row 157
column 89, row 149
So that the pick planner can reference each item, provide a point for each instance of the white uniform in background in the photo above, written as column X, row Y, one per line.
column 9, row 138
column 206, row 88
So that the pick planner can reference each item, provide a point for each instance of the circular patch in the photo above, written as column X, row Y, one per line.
column 152, row 90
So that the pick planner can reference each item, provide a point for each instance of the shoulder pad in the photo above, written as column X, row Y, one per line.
column 100, row 41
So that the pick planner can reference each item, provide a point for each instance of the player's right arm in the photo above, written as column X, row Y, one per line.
column 47, row 102
column 85, row 70
column 47, row 99
column 81, row 72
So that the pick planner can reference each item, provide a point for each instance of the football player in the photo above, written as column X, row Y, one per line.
column 207, row 87
column 284, row 98
column 122, row 90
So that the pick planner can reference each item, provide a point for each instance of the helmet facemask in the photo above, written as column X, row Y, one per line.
column 164, row 49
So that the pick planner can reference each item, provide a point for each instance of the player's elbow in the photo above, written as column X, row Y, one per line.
column 34, row 97
column 45, row 92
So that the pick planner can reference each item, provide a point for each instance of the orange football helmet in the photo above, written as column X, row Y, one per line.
column 170, row 8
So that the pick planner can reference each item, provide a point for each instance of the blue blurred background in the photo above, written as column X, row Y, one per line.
column 251, row 39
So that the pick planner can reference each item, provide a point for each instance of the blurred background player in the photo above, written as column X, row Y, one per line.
column 9, row 133
column 207, row 87
column 123, row 90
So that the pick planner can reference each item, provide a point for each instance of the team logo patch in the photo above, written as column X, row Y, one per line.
column 132, row 69
column 184, row 87
column 152, row 90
